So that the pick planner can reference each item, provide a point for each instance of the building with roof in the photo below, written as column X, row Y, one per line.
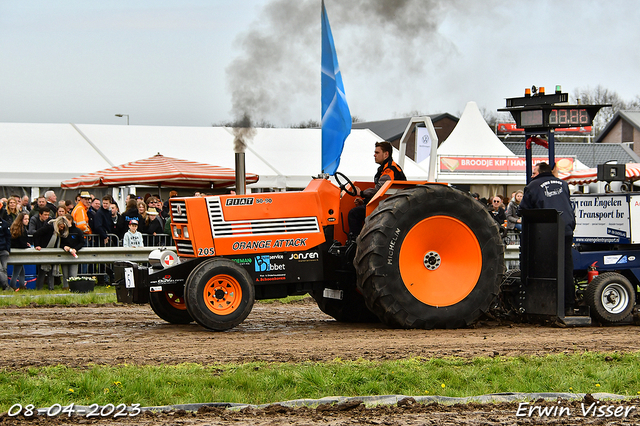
column 623, row 128
column 392, row 130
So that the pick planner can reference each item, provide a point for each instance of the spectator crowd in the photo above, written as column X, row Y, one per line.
column 504, row 210
column 87, row 221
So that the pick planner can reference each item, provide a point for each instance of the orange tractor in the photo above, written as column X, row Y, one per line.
column 429, row 256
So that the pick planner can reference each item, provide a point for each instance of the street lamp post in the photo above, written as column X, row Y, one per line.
column 124, row 115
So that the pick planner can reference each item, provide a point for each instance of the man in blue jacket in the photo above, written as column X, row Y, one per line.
column 545, row 191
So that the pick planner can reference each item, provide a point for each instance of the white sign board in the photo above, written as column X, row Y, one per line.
column 634, row 208
column 423, row 144
column 129, row 280
column 601, row 218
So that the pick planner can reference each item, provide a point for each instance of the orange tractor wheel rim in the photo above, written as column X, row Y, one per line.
column 176, row 300
column 440, row 261
column 222, row 294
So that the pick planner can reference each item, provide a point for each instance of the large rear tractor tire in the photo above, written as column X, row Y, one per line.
column 170, row 306
column 429, row 257
column 219, row 294
column 611, row 297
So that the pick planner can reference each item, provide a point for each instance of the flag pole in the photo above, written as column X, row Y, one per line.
column 336, row 117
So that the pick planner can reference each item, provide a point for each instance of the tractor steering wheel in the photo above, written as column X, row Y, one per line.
column 343, row 186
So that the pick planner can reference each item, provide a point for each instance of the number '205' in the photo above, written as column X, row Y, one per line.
column 206, row 251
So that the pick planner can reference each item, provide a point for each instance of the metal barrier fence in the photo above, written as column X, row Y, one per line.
column 160, row 240
column 96, row 258
column 58, row 256
column 94, row 261
column 95, row 240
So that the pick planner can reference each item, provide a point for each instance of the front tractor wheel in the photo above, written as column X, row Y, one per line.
column 429, row 257
column 219, row 294
column 170, row 306
column 611, row 297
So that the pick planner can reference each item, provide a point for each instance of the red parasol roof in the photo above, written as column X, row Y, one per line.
column 157, row 171
column 583, row 177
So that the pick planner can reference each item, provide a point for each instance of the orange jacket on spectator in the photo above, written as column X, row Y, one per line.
column 80, row 218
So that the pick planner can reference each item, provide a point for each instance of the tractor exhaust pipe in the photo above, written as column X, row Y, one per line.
column 241, row 177
column 243, row 132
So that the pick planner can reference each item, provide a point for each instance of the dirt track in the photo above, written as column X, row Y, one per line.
column 133, row 334
column 76, row 336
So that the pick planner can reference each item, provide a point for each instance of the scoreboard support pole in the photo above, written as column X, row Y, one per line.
column 552, row 147
column 528, row 156
column 550, row 134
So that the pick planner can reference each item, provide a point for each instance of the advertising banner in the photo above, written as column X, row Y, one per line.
column 497, row 164
column 601, row 218
column 285, row 267
column 511, row 128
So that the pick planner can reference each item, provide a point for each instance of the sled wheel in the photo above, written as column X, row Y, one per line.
column 429, row 257
column 611, row 297
column 352, row 307
column 170, row 306
column 219, row 294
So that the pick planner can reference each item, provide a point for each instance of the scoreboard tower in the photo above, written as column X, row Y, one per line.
column 540, row 114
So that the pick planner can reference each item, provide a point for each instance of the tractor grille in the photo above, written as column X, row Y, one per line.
column 242, row 228
column 179, row 211
column 184, row 247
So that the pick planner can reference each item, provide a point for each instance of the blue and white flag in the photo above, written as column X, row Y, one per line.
column 336, row 118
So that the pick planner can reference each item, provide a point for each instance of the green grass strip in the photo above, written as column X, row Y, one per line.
column 102, row 294
column 259, row 383
column 58, row 296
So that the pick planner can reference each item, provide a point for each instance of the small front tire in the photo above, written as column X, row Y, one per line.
column 219, row 294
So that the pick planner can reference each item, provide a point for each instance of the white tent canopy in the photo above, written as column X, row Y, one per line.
column 43, row 155
column 473, row 136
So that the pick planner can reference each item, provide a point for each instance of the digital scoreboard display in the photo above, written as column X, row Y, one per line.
column 542, row 112
column 569, row 117
column 552, row 116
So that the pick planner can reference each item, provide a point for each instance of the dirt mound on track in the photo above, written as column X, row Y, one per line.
column 116, row 334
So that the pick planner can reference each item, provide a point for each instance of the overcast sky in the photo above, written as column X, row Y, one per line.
column 201, row 62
